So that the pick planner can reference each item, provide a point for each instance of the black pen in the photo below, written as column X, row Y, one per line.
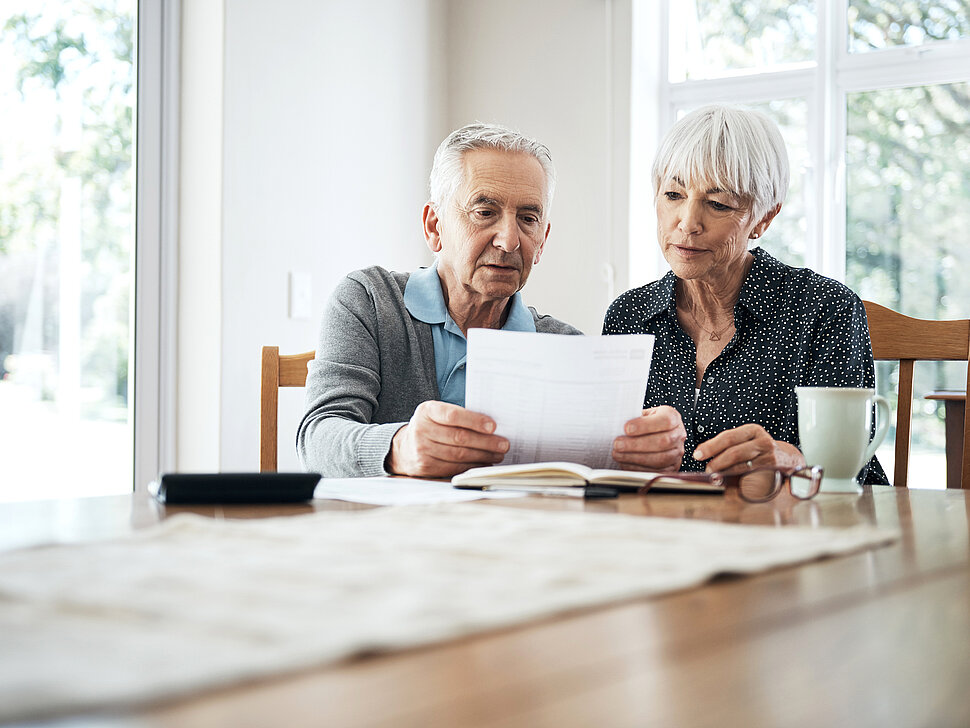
column 569, row 491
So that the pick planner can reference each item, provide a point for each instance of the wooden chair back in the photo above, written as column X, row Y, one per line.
column 896, row 337
column 289, row 370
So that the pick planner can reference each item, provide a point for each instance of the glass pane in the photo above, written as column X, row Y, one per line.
column 908, row 209
column 66, row 242
column 786, row 239
column 717, row 38
column 877, row 24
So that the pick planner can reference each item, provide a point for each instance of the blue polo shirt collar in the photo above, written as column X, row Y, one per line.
column 425, row 301
column 423, row 298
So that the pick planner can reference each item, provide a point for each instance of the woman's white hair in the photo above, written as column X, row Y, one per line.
column 737, row 150
column 447, row 170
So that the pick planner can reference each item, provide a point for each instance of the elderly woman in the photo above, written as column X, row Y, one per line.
column 737, row 330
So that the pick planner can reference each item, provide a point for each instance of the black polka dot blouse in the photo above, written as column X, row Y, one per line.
column 793, row 328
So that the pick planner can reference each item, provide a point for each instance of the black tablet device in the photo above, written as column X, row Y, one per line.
column 185, row 488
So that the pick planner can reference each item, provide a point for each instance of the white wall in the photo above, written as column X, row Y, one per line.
column 558, row 72
column 331, row 113
column 199, row 384
column 331, row 120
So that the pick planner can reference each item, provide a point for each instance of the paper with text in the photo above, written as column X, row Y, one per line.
column 384, row 491
column 557, row 397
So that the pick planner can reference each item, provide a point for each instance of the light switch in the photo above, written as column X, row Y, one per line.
column 301, row 296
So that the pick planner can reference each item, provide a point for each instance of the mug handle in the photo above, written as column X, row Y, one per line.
column 882, row 427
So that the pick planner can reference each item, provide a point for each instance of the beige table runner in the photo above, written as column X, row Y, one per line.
column 196, row 603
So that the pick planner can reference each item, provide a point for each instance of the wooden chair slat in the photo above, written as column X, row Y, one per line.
column 896, row 337
column 289, row 370
column 904, row 419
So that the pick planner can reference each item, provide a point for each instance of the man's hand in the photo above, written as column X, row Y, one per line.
column 653, row 441
column 745, row 447
column 443, row 439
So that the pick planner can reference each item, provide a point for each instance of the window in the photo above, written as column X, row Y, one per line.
column 67, row 89
column 873, row 98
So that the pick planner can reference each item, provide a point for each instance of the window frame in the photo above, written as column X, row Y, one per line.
column 825, row 87
column 156, row 240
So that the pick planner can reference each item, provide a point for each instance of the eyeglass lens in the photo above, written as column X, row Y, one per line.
column 803, row 484
column 759, row 485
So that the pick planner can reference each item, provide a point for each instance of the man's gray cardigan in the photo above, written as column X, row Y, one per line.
column 374, row 365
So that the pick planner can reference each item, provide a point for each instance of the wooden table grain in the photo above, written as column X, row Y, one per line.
column 879, row 638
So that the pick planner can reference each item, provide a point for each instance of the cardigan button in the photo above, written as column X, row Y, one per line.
column 700, row 428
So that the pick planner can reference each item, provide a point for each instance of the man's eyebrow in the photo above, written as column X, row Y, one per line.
column 486, row 200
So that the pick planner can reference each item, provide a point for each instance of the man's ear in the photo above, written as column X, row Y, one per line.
column 542, row 245
column 432, row 236
column 763, row 224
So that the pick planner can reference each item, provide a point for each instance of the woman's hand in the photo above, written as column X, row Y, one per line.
column 747, row 447
column 653, row 441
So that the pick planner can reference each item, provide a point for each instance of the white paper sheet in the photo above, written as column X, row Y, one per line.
column 399, row 491
column 557, row 397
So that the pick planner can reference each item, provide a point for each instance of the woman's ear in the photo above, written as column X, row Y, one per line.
column 763, row 224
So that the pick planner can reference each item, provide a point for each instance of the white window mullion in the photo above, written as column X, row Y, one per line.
column 832, row 50
column 744, row 89
column 815, row 185
column 156, row 222
column 666, row 115
column 926, row 65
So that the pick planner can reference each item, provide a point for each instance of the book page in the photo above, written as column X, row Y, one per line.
column 574, row 472
column 679, row 481
column 557, row 397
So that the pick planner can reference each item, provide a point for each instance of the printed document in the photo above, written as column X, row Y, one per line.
column 557, row 397
column 383, row 491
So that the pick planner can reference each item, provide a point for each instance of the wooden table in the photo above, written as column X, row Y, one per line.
column 955, row 406
column 876, row 638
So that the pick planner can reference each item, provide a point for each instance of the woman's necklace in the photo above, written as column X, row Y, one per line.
column 714, row 335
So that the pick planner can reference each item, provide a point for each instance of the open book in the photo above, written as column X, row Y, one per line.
column 562, row 473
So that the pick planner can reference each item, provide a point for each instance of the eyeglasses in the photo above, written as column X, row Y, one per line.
column 762, row 484
column 754, row 486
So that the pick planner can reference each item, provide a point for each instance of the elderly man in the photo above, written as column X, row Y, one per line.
column 386, row 391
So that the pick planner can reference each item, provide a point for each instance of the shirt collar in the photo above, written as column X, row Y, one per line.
column 763, row 285
column 423, row 297
column 664, row 300
column 758, row 292
column 425, row 301
column 520, row 318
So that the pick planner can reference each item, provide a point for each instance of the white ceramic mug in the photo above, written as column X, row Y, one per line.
column 833, row 425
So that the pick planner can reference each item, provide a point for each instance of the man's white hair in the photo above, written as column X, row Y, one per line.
column 736, row 150
column 447, row 170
